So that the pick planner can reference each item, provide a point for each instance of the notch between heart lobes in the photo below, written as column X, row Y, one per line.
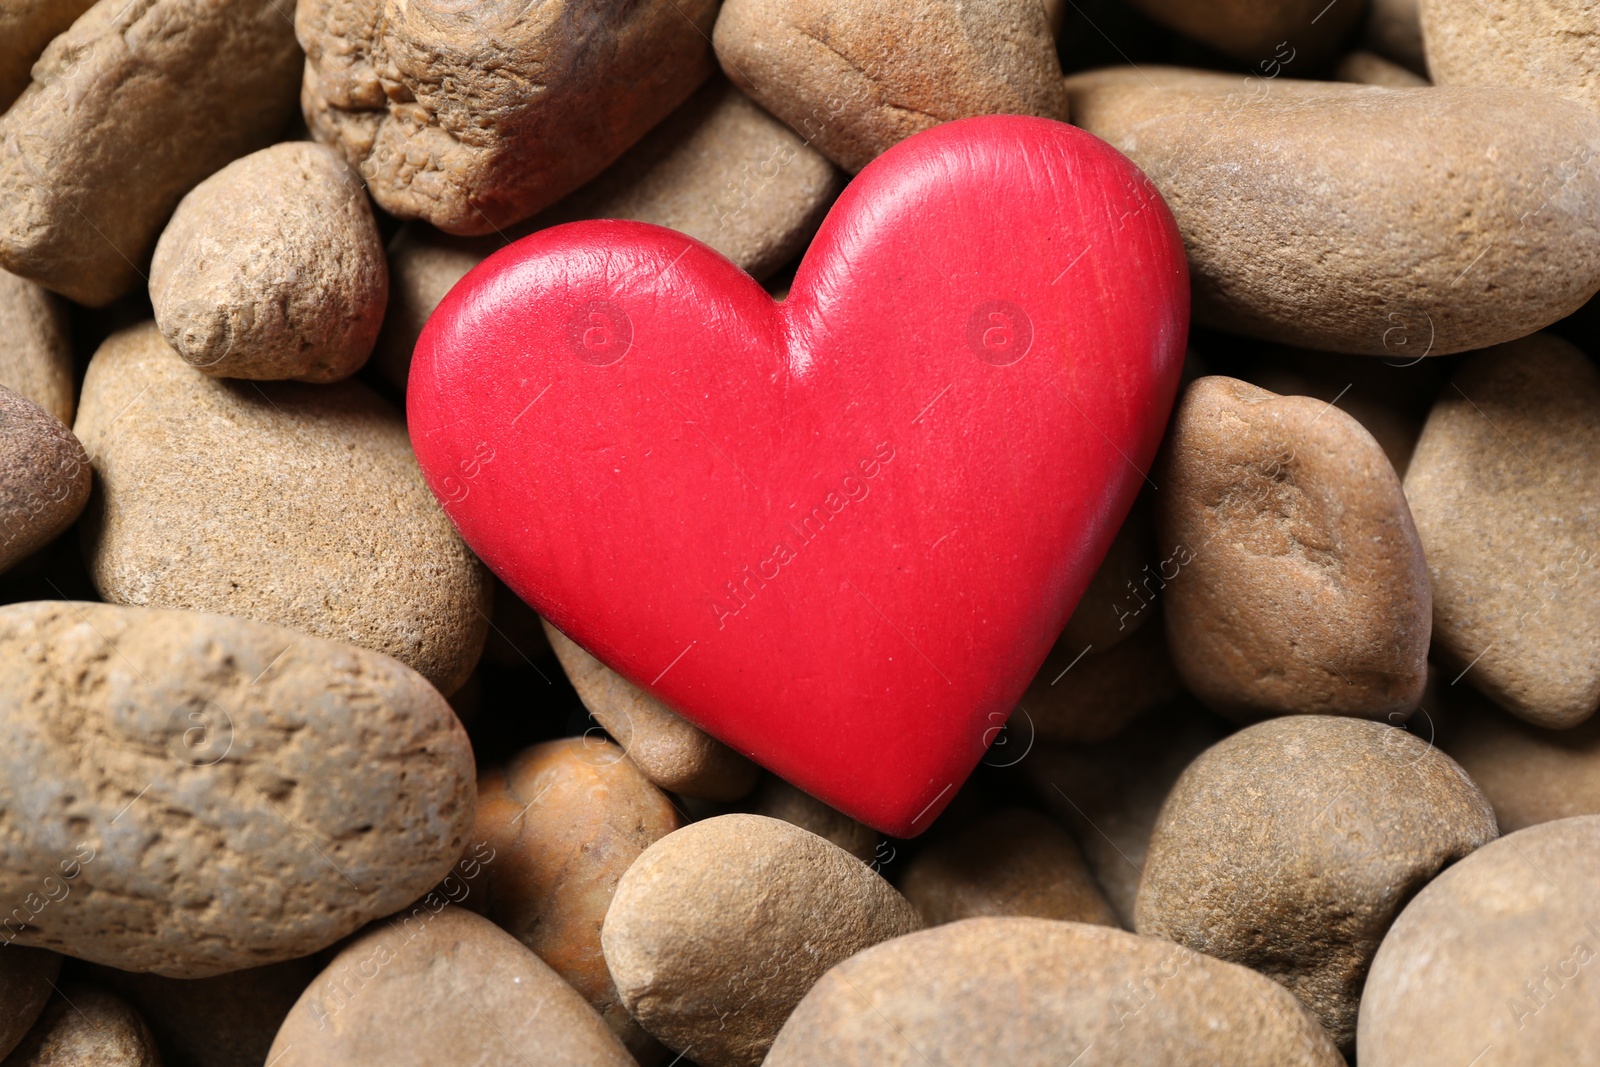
column 841, row 532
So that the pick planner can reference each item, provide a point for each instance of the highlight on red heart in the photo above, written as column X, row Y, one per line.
column 838, row 532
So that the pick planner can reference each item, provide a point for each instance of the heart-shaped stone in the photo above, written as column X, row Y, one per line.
column 838, row 532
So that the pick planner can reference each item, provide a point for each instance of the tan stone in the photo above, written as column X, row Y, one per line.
column 207, row 793
column 87, row 1027
column 476, row 116
column 128, row 110
column 1269, row 34
column 36, row 359
column 565, row 819
column 1083, row 694
column 718, row 930
column 777, row 799
column 1394, row 29
column 27, row 976
column 1291, row 846
column 1300, row 583
column 1552, row 46
column 671, row 751
column 855, row 77
column 26, row 26
column 1498, row 953
column 1502, row 488
column 1354, row 218
column 1369, row 68
column 294, row 504
column 438, row 985
column 424, row 265
column 1036, row 993
column 1112, row 607
column 44, row 478
column 273, row 268
column 1011, row 862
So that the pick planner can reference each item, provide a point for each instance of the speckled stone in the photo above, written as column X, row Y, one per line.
column 36, row 359
column 87, row 1027
column 44, row 478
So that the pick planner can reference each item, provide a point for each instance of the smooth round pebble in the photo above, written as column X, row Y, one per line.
column 1369, row 68
column 440, row 985
column 777, row 799
column 718, row 930
column 1362, row 219
column 1083, row 694
column 1123, row 587
column 1530, row 774
column 563, row 820
column 1502, row 488
column 44, row 478
column 855, row 77
column 87, row 1027
column 1299, row 583
column 294, row 504
column 1036, row 993
column 1290, row 847
column 1495, row 959
column 673, row 753
column 1394, row 29
column 1011, row 862
column 36, row 359
column 273, row 268
column 1272, row 36
column 424, row 264
column 192, row 794
column 27, row 978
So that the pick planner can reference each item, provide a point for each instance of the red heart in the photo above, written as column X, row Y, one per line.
column 840, row 532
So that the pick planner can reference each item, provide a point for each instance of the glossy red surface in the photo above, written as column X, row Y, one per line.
column 838, row 532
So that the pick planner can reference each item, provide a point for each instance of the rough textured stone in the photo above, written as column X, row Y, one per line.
column 26, row 977
column 777, row 799
column 1011, row 862
column 855, row 77
column 442, row 985
column 1036, row 993
column 87, row 1027
column 1552, row 46
column 718, row 930
column 671, row 751
column 228, row 1020
column 1494, row 959
column 1291, row 846
column 1530, row 775
column 36, row 359
column 44, row 478
column 475, row 116
column 26, row 26
column 564, row 820
column 1089, row 695
column 1502, row 488
column 1355, row 218
column 128, row 109
column 1369, row 68
column 273, row 268
column 1114, row 605
column 1264, row 33
column 295, row 504
column 1299, row 584
column 192, row 794
column 1394, row 29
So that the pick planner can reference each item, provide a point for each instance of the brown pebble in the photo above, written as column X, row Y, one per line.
column 1394, row 30
column 1548, row 46
column 1035, row 993
column 1291, row 846
column 424, row 264
column 1010, row 862
column 1299, row 583
column 1272, row 36
column 855, row 77
column 36, row 359
column 718, row 930
column 25, row 29
column 27, row 977
column 1369, row 68
column 1082, row 694
column 563, row 820
column 44, row 478
column 1507, row 507
column 1110, row 609
column 87, row 1027
column 777, row 799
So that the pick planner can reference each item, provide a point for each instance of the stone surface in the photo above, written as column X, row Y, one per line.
column 1394, row 29
column 1530, row 775
column 295, row 504
column 1291, row 846
column 565, row 819
column 1263, row 33
column 36, row 359
column 855, row 77
column 1114, row 605
column 1036, row 993
column 424, row 264
column 191, row 794
column 1083, row 694
column 273, row 268
column 1369, row 68
column 228, row 1020
column 1011, row 862
column 1506, row 506
column 44, row 478
column 26, row 26
column 671, row 751
column 439, row 985
column 26, row 977
column 777, row 799
column 1355, row 218
column 128, row 110
column 1495, row 958
column 87, row 1027
column 476, row 116
column 718, row 930
column 1552, row 46
column 1299, row 583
